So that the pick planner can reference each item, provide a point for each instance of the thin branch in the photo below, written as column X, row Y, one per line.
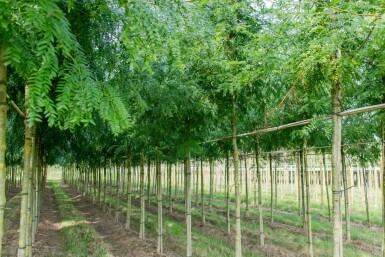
column 14, row 105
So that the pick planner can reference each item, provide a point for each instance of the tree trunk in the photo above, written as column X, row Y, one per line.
column 271, row 188
column 302, row 188
column 322, row 179
column 129, row 194
column 3, row 120
column 383, row 185
column 148, row 180
column 104, row 183
column 31, row 197
column 308, row 212
column 298, row 169
column 202, row 195
column 25, row 184
column 117, row 193
column 346, row 195
column 365, row 180
column 326, row 185
column 169, row 187
column 336, row 170
column 196, row 183
column 159, row 200
column 238, row 235
column 246, row 188
column 188, row 209
column 228, row 193
column 260, row 210
column 275, row 184
column 211, row 183
column 142, row 198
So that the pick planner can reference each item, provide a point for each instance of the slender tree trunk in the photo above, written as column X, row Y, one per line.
column 246, row 188
column 169, row 187
column 25, row 184
column 308, row 212
column 202, row 195
column 149, row 181
column 211, row 183
column 142, row 198
column 129, row 193
column 336, row 170
column 104, row 183
column 322, row 179
column 298, row 169
column 188, row 209
column 159, row 199
column 383, row 185
column 271, row 188
column 260, row 210
column 196, row 183
column 99, row 184
column 275, row 184
column 238, row 235
column 31, row 199
column 117, row 193
column 346, row 195
column 228, row 193
column 302, row 188
column 326, row 185
column 365, row 181
column 3, row 120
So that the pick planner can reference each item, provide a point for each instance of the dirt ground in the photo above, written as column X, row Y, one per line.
column 121, row 242
column 48, row 241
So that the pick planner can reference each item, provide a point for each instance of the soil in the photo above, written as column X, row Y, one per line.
column 48, row 241
column 11, row 219
column 121, row 242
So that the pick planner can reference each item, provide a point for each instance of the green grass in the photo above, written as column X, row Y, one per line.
column 174, row 233
column 80, row 238
column 288, row 240
column 276, row 236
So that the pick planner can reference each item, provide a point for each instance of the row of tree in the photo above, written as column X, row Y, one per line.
column 162, row 77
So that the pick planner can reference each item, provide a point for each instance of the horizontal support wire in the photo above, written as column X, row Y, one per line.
column 301, row 123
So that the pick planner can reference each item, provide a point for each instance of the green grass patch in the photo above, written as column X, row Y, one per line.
column 80, row 238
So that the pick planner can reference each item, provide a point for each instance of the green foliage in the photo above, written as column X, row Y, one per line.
column 42, row 50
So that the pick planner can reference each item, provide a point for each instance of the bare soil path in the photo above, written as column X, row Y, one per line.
column 121, row 242
column 48, row 241
column 11, row 224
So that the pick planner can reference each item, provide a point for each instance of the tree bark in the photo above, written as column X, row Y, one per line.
column 326, row 185
column 365, row 181
column 271, row 188
column 246, row 188
column 142, row 198
column 228, row 193
column 303, row 189
column 3, row 121
column 188, row 205
column 336, row 170
column 129, row 194
column 346, row 195
column 238, row 235
column 25, row 184
column 202, row 195
column 159, row 200
column 260, row 209
column 211, row 182
column 383, row 185
column 308, row 212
